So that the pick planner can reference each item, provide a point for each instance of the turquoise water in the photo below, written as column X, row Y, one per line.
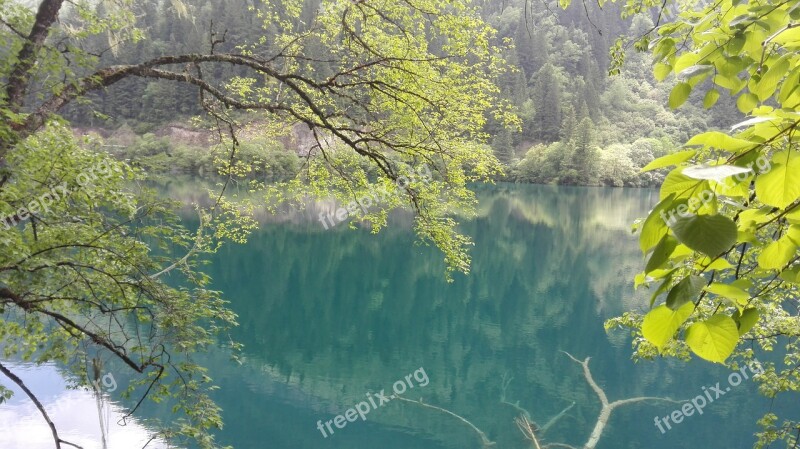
column 329, row 318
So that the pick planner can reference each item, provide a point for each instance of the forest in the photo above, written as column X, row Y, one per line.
column 577, row 125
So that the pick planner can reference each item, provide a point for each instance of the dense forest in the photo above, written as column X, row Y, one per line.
column 577, row 125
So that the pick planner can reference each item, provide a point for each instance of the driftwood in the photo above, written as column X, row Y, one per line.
column 532, row 432
column 606, row 409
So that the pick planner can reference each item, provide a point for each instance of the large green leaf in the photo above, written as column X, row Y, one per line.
column 687, row 290
column 791, row 275
column 681, row 185
column 661, row 323
column 732, row 292
column 746, row 320
column 661, row 253
column 780, row 186
column 661, row 71
column 713, row 339
column 710, row 98
column 670, row 159
column 679, row 95
column 654, row 227
column 791, row 84
column 721, row 141
column 709, row 234
column 777, row 254
column 663, row 287
column 769, row 81
column 747, row 102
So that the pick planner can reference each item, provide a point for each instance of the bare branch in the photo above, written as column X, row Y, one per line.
column 607, row 408
column 14, row 378
column 484, row 439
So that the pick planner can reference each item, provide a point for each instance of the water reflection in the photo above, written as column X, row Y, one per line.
column 330, row 316
column 74, row 412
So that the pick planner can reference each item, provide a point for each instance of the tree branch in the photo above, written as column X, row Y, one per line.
column 607, row 408
column 19, row 78
column 14, row 378
column 484, row 439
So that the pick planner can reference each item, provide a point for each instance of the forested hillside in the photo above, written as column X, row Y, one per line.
column 577, row 124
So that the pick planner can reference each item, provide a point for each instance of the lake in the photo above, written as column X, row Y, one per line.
column 329, row 318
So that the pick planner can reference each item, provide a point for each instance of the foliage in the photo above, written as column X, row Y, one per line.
column 400, row 107
column 78, row 279
column 722, row 243
column 573, row 162
column 557, row 64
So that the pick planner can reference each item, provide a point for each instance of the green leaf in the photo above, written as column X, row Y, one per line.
column 736, row 44
column 713, row 339
column 709, row 234
column 669, row 160
column 680, row 185
column 746, row 321
column 780, row 186
column 791, row 275
column 654, row 227
column 769, row 81
column 661, row 71
column 687, row 290
column 720, row 140
column 717, row 264
column 663, row 287
column 661, row 323
column 686, row 60
column 777, row 254
column 679, row 95
column 710, row 98
column 744, row 18
column 730, row 82
column 747, row 102
column 791, row 84
column 737, row 294
column 661, row 253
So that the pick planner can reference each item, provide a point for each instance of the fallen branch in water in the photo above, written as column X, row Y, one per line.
column 607, row 407
column 528, row 429
column 484, row 440
column 557, row 417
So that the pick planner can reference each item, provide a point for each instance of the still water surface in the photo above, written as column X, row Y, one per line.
column 331, row 317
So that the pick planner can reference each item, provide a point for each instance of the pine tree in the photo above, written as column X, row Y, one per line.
column 547, row 98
